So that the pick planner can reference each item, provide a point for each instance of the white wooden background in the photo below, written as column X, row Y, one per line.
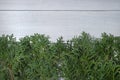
column 94, row 17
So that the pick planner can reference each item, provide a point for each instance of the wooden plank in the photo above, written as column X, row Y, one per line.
column 56, row 24
column 60, row 4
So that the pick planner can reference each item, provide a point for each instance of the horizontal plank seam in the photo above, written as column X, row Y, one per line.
column 68, row 10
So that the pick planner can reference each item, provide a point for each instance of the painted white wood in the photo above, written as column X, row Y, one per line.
column 66, row 24
column 60, row 4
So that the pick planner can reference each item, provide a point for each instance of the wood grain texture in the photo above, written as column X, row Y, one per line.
column 59, row 4
column 94, row 17
column 57, row 24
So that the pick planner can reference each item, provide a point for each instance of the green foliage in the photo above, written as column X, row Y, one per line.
column 83, row 57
